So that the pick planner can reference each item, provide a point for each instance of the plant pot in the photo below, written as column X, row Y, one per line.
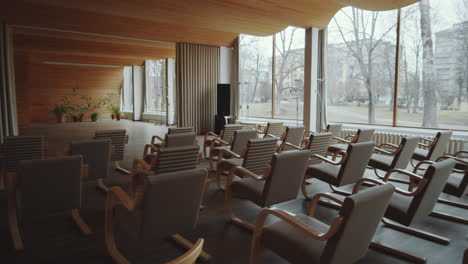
column 93, row 118
column 81, row 117
column 113, row 116
column 118, row 117
column 59, row 118
column 75, row 118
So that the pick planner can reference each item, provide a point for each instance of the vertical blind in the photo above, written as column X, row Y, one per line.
column 197, row 75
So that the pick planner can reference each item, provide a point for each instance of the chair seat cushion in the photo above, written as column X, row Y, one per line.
column 381, row 161
column 337, row 147
column 292, row 244
column 453, row 185
column 420, row 154
column 398, row 209
column 325, row 172
column 249, row 189
column 227, row 164
column 461, row 166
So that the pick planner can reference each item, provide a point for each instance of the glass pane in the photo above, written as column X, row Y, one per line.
column 127, row 91
column 289, row 73
column 361, row 66
column 433, row 81
column 156, row 86
column 255, row 75
column 171, row 97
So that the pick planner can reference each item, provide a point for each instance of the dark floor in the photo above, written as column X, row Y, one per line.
column 57, row 240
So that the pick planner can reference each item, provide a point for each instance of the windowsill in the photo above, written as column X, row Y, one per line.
column 287, row 122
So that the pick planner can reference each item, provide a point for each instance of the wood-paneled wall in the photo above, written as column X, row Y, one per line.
column 39, row 86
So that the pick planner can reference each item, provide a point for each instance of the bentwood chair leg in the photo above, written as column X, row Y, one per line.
column 230, row 212
column 453, row 203
column 450, row 217
column 188, row 245
column 109, row 232
column 416, row 232
column 255, row 249
column 80, row 222
column 218, row 179
column 101, row 185
column 304, row 190
column 13, row 221
column 338, row 191
column 117, row 167
column 398, row 253
column 2, row 182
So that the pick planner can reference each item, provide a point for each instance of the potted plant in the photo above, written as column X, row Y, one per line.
column 94, row 116
column 59, row 111
column 115, row 109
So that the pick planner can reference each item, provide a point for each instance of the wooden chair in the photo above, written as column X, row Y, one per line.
column 170, row 140
column 142, row 220
column 16, row 149
column 190, row 257
column 409, row 207
column 389, row 156
column 304, row 239
column 171, row 131
column 97, row 157
column 118, row 139
column 362, row 135
column 348, row 170
column 255, row 159
column 273, row 129
column 226, row 135
column 171, row 160
column 316, row 144
column 335, row 130
column 279, row 183
column 294, row 136
column 433, row 150
column 238, row 146
column 42, row 188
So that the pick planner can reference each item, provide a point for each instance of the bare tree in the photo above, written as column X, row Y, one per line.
column 430, row 117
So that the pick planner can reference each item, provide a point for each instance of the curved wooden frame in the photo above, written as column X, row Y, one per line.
column 219, row 171
column 190, row 257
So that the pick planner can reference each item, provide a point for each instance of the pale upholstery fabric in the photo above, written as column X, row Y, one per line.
column 176, row 159
column 161, row 215
column 318, row 145
column 350, row 171
column 398, row 161
column 177, row 130
column 362, row 213
column 96, row 154
column 180, row 139
column 423, row 203
column 335, row 130
column 118, row 138
column 20, row 148
column 437, row 150
column 337, row 147
column 288, row 170
column 241, row 138
column 259, row 153
column 457, row 184
column 49, row 186
column 294, row 135
column 275, row 129
column 229, row 132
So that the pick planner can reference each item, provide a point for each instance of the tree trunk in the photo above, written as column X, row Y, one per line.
column 371, row 108
column 430, row 118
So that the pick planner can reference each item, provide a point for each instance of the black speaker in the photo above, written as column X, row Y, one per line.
column 219, row 123
column 224, row 99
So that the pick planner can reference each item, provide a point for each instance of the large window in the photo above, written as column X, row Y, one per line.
column 156, row 86
column 432, row 90
column 127, row 90
column 271, row 75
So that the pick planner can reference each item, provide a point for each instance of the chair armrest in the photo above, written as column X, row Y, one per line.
column 129, row 203
column 397, row 190
column 342, row 140
column 389, row 145
column 153, row 139
column 149, row 146
column 411, row 175
column 84, row 172
column 141, row 162
column 209, row 133
column 286, row 217
column 416, row 168
column 245, row 172
column 220, row 141
column 458, row 160
column 386, row 152
column 292, row 146
column 315, row 200
column 230, row 152
column 459, row 153
column 351, row 137
column 273, row 136
column 423, row 145
column 336, row 163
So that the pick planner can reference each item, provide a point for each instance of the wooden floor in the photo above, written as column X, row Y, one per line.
column 57, row 240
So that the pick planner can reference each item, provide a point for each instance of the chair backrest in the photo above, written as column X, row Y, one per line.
column 294, row 135
column 335, row 129
column 49, row 186
column 180, row 139
column 259, row 153
column 176, row 159
column 358, row 155
column 287, row 171
column 96, row 154
column 403, row 157
column 163, row 213
column 318, row 144
column 20, row 148
column 424, row 201
column 362, row 213
column 229, row 132
column 241, row 137
column 438, row 149
column 118, row 138
column 364, row 135
column 275, row 129
column 176, row 130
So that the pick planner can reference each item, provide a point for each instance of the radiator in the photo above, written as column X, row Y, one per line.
column 454, row 145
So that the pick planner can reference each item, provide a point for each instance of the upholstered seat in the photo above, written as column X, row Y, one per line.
column 381, row 162
column 249, row 189
column 337, row 147
column 362, row 135
column 325, row 172
column 434, row 150
column 226, row 135
column 420, row 154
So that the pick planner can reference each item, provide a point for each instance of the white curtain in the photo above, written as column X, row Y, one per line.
column 138, row 91
column 321, row 77
column 127, row 90
column 8, row 114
